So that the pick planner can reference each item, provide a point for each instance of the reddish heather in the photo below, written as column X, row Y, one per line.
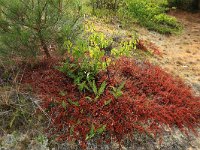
column 151, row 100
column 145, row 46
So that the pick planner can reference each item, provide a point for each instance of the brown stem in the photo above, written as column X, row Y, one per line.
column 107, row 71
column 44, row 45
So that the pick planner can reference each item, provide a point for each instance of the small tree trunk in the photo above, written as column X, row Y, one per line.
column 116, row 5
column 44, row 45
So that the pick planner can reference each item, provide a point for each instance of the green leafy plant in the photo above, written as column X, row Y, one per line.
column 41, row 138
column 85, row 60
column 106, row 4
column 16, row 109
column 96, row 91
column 126, row 48
column 62, row 93
column 88, row 58
column 64, row 104
column 107, row 102
column 117, row 91
column 94, row 132
column 75, row 103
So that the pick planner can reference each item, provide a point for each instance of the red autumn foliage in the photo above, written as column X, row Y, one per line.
column 151, row 100
column 146, row 46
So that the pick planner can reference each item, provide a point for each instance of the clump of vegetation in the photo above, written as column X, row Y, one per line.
column 29, row 27
column 99, row 91
column 153, row 16
column 137, row 98
column 87, row 58
column 119, row 99
column 106, row 4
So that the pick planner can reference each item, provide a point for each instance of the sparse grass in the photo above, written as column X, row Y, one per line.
column 20, row 120
column 16, row 110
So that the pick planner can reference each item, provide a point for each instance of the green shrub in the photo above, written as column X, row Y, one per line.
column 152, row 15
column 27, row 27
column 149, row 13
column 87, row 58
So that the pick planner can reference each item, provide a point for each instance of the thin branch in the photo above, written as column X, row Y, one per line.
column 5, row 112
column 35, row 101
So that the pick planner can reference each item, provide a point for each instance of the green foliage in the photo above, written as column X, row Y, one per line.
column 126, row 48
column 72, row 103
column 152, row 15
column 117, row 91
column 41, row 138
column 64, row 105
column 19, row 113
column 107, row 102
column 149, row 13
column 88, row 60
column 91, row 134
column 107, row 4
column 16, row 110
column 94, row 132
column 62, row 93
column 27, row 26
column 96, row 91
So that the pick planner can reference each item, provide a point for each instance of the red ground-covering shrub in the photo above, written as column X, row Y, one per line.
column 152, row 99
column 146, row 46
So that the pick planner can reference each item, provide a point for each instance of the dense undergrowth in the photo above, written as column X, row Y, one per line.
column 153, row 16
column 96, row 93
column 145, row 99
column 150, row 14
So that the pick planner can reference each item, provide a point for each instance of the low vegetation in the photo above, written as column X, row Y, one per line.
column 111, row 100
column 151, row 14
column 97, row 89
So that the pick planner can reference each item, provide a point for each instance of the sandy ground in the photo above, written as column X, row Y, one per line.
column 181, row 53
